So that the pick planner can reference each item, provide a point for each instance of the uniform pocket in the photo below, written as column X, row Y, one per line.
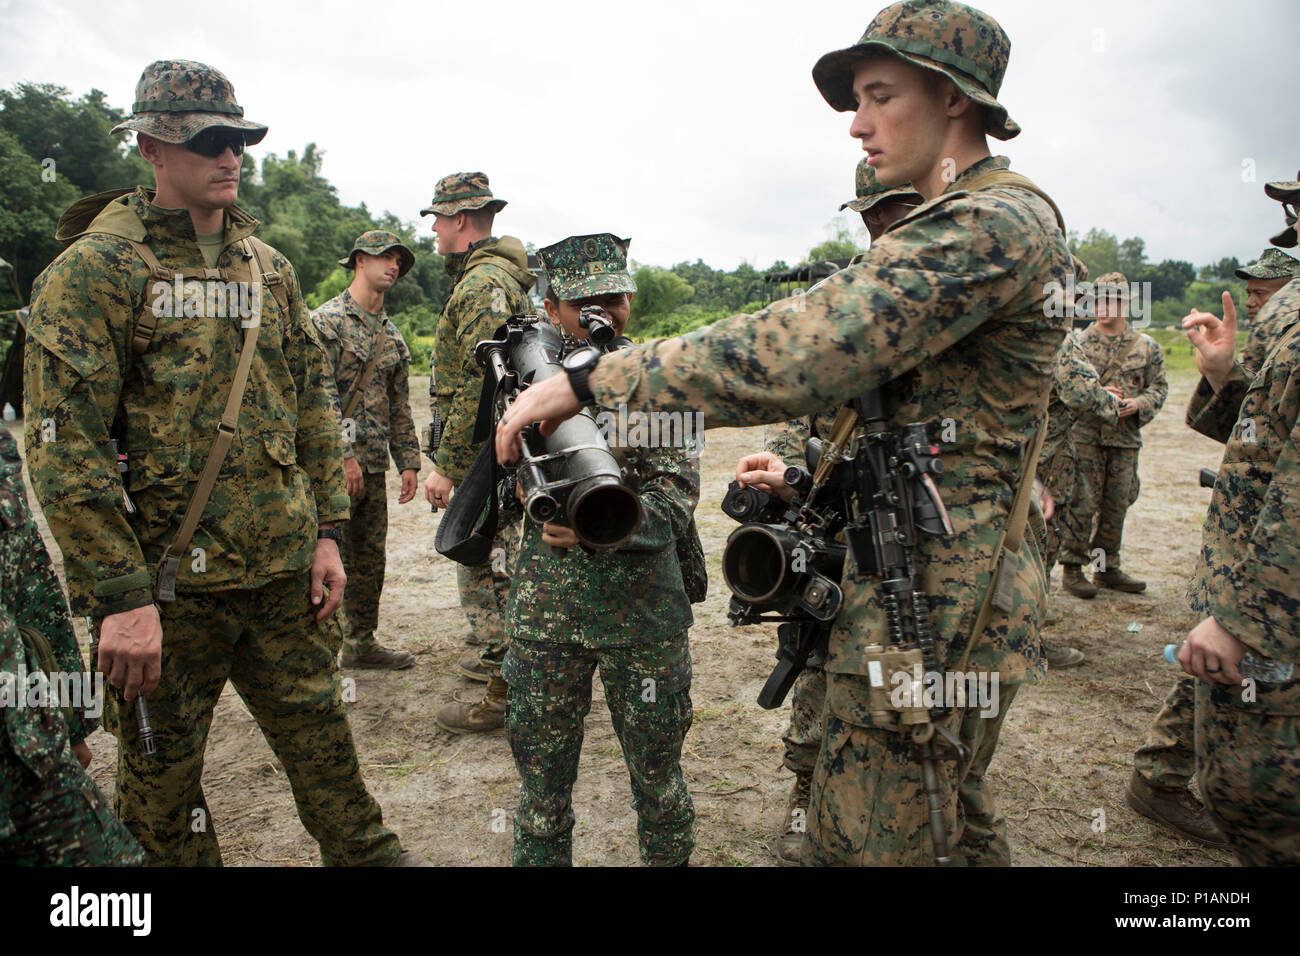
column 283, row 452
column 164, row 466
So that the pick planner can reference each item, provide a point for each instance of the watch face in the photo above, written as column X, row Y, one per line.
column 579, row 359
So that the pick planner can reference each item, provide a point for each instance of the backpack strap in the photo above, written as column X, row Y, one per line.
column 171, row 559
column 1005, row 177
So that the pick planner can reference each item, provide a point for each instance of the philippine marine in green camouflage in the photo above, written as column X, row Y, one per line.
column 880, row 207
column 625, row 612
column 946, row 312
column 490, row 283
column 253, row 569
column 1246, row 735
column 367, row 372
column 1263, row 279
column 51, row 813
column 1106, row 477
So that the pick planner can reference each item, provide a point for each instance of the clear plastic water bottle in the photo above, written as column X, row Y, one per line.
column 1261, row 670
column 9, row 413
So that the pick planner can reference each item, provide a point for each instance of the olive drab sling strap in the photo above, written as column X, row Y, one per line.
column 169, row 567
column 1006, row 561
column 362, row 380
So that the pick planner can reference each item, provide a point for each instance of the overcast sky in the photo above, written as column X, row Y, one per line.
column 694, row 127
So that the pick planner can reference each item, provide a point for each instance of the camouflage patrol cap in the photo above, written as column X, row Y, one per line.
column 176, row 100
column 462, row 192
column 1287, row 193
column 871, row 192
column 580, row 267
column 1112, row 282
column 1272, row 264
column 964, row 44
column 376, row 242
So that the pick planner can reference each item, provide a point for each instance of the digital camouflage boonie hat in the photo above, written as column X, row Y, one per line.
column 871, row 192
column 964, row 44
column 462, row 192
column 1272, row 264
column 176, row 100
column 1112, row 282
column 1287, row 193
column 580, row 267
column 376, row 242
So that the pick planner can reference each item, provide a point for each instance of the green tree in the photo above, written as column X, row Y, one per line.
column 30, row 207
column 843, row 244
column 658, row 293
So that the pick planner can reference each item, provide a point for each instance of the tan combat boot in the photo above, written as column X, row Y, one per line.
column 1118, row 581
column 473, row 668
column 1059, row 657
column 1072, row 580
column 794, row 829
column 380, row 658
column 1176, row 810
column 488, row 716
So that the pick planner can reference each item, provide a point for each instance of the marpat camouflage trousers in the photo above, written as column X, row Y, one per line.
column 1167, row 759
column 1106, row 484
column 484, row 592
column 869, row 806
column 1249, row 764
column 803, row 737
column 267, row 643
column 647, row 689
column 363, row 554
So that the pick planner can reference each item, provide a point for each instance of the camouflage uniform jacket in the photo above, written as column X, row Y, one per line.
column 1076, row 393
column 30, row 598
column 787, row 440
column 1250, row 549
column 949, row 304
column 1141, row 375
column 1264, row 331
column 629, row 596
column 491, row 284
column 284, row 470
column 383, row 422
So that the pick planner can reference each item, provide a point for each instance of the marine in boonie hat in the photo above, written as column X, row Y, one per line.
column 581, row 267
column 462, row 192
column 1272, row 264
column 1113, row 283
column 964, row 44
column 376, row 242
column 871, row 192
column 176, row 100
column 1288, row 194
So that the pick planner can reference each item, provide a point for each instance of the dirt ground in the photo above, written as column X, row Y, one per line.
column 1066, row 750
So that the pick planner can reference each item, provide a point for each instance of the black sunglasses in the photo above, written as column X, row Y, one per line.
column 213, row 142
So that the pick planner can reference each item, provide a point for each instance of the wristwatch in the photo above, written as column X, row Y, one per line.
column 334, row 534
column 579, row 364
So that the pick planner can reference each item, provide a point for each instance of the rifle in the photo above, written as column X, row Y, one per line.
column 897, row 498
column 570, row 476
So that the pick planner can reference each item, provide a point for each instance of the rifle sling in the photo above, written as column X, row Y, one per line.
column 1118, row 361
column 1006, row 555
column 363, row 379
column 169, row 567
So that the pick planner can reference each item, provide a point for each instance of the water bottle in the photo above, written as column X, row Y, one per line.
column 9, row 413
column 1261, row 670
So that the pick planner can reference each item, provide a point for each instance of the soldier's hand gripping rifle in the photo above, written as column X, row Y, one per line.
column 568, row 477
column 784, row 564
column 897, row 499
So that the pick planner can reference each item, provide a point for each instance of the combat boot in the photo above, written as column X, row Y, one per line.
column 380, row 658
column 1062, row 657
column 1119, row 581
column 1072, row 580
column 1176, row 810
column 473, row 668
column 1053, row 617
column 488, row 716
column 794, row 829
